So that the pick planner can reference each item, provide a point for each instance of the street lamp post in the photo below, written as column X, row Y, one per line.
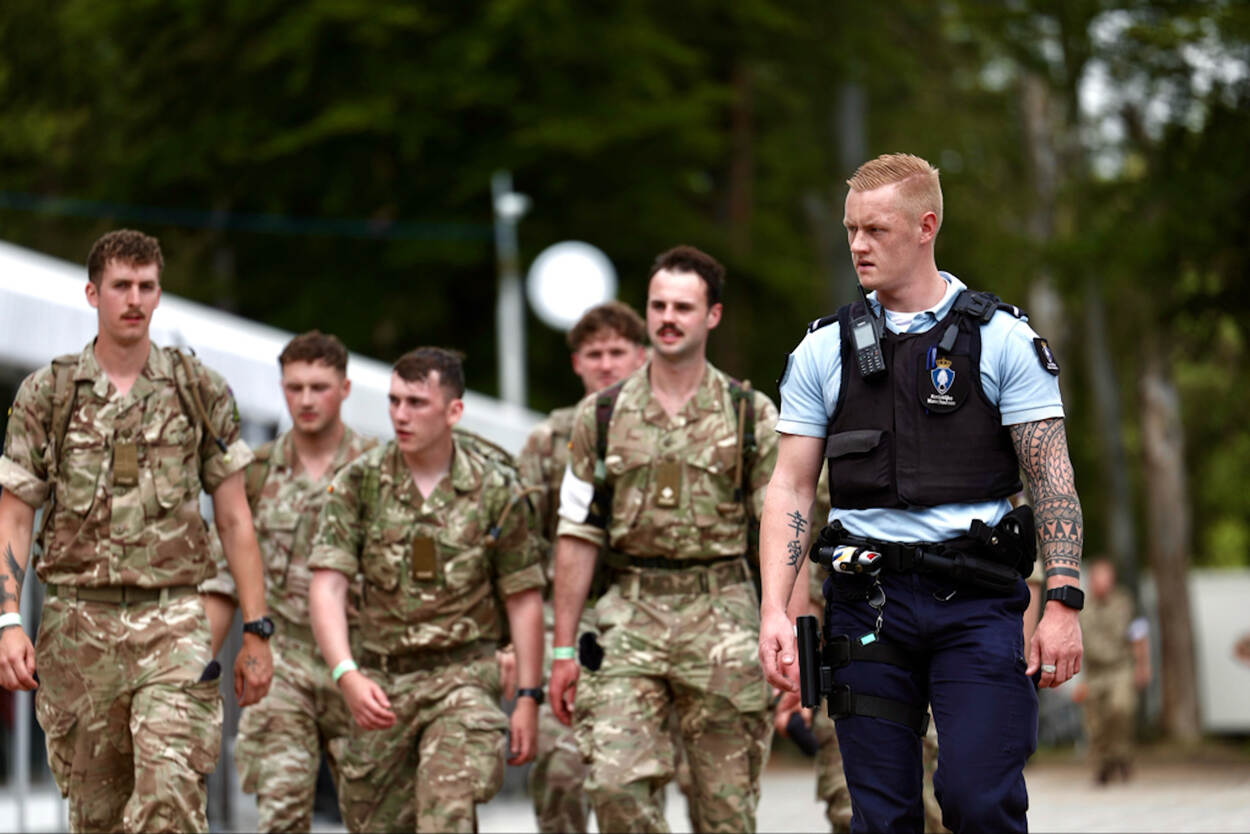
column 509, row 207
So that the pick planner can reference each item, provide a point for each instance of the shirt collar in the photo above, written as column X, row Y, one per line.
column 925, row 319
column 157, row 366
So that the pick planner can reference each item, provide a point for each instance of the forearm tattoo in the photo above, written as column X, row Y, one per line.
column 16, row 571
column 798, row 523
column 1042, row 448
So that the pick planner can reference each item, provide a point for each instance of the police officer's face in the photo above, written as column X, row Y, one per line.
column 124, row 300
column 886, row 243
column 422, row 412
column 678, row 315
column 605, row 358
column 314, row 394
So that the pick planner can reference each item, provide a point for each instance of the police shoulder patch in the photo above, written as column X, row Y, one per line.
column 1046, row 356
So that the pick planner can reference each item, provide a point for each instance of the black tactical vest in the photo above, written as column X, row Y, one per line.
column 925, row 434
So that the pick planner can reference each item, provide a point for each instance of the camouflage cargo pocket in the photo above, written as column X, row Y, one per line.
column 204, row 719
column 484, row 747
column 169, row 475
column 384, row 557
column 80, row 470
column 57, row 725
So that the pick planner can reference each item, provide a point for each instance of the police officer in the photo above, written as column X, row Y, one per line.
column 278, row 750
column 925, row 441
column 116, row 443
column 673, row 501
column 437, row 525
column 607, row 345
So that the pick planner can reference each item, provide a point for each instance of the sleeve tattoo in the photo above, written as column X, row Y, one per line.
column 16, row 571
column 1042, row 448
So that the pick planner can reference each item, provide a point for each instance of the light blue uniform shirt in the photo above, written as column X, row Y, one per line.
column 1012, row 377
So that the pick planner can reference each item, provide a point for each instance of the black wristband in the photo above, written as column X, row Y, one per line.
column 530, row 692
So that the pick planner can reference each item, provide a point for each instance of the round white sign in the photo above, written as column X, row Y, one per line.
column 566, row 280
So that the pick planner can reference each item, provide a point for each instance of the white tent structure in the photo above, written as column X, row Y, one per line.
column 43, row 313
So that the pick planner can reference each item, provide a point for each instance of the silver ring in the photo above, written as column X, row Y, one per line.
column 1048, row 667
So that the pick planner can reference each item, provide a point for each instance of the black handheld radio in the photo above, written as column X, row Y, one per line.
column 866, row 335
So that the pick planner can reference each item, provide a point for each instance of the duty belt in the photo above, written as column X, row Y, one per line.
column 427, row 660
column 120, row 594
column 661, row 577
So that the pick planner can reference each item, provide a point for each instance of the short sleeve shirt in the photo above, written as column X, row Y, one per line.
column 128, row 479
column 285, row 513
column 432, row 578
column 674, row 479
column 1012, row 378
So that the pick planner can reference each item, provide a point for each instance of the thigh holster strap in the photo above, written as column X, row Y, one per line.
column 841, row 649
column 844, row 703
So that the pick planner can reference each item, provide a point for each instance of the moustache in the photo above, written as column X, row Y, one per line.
column 667, row 329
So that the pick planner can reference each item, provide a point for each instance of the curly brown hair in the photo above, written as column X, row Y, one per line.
column 689, row 259
column 607, row 318
column 126, row 246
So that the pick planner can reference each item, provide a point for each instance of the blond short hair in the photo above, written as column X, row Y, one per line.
column 919, row 189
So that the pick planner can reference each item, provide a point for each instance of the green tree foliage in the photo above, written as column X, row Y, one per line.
column 334, row 157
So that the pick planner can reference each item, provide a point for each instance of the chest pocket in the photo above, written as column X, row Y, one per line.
column 80, row 474
column 171, row 462
column 711, row 480
column 385, row 555
column 463, row 559
column 628, row 475
column 278, row 527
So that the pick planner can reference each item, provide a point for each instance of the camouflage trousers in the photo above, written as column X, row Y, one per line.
column 558, row 775
column 444, row 754
column 131, row 729
column 278, row 751
column 831, row 781
column 1109, row 711
column 689, row 652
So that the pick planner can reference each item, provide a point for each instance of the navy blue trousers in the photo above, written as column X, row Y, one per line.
column 970, row 669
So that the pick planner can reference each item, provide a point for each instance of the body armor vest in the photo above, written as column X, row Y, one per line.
column 924, row 434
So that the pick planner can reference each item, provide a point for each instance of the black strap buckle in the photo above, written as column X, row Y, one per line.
column 837, row 651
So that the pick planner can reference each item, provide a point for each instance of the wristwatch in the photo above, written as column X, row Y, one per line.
column 262, row 628
column 531, row 692
column 1068, row 595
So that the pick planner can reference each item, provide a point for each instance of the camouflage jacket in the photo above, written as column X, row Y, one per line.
column 285, row 504
column 128, row 480
column 432, row 574
column 673, row 479
column 541, row 465
column 1104, row 633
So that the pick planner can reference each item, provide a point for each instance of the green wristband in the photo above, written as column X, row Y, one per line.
column 343, row 668
column 563, row 652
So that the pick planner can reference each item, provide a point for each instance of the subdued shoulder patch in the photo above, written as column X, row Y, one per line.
column 1046, row 356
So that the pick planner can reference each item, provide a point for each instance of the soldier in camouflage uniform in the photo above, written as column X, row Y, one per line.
column 437, row 524
column 1116, row 665
column 680, row 618
column 278, row 750
column 608, row 345
column 115, row 444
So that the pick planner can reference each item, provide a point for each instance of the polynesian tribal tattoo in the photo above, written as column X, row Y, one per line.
column 798, row 523
column 1042, row 448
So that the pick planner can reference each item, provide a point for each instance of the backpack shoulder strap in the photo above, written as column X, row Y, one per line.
column 601, row 501
column 189, row 384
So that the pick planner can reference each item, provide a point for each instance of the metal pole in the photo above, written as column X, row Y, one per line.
column 510, row 306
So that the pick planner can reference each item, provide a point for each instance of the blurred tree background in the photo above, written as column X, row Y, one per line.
column 327, row 164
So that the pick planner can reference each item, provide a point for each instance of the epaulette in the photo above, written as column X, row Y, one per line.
column 821, row 322
column 982, row 306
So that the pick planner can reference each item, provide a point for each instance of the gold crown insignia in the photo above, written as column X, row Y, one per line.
column 943, row 363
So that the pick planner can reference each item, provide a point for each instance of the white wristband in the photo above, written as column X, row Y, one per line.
column 13, row 618
column 343, row 668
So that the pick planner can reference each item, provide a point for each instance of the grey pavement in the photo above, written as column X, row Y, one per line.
column 1174, row 795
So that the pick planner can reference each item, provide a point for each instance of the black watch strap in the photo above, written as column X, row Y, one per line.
column 531, row 692
column 1068, row 595
column 262, row 628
